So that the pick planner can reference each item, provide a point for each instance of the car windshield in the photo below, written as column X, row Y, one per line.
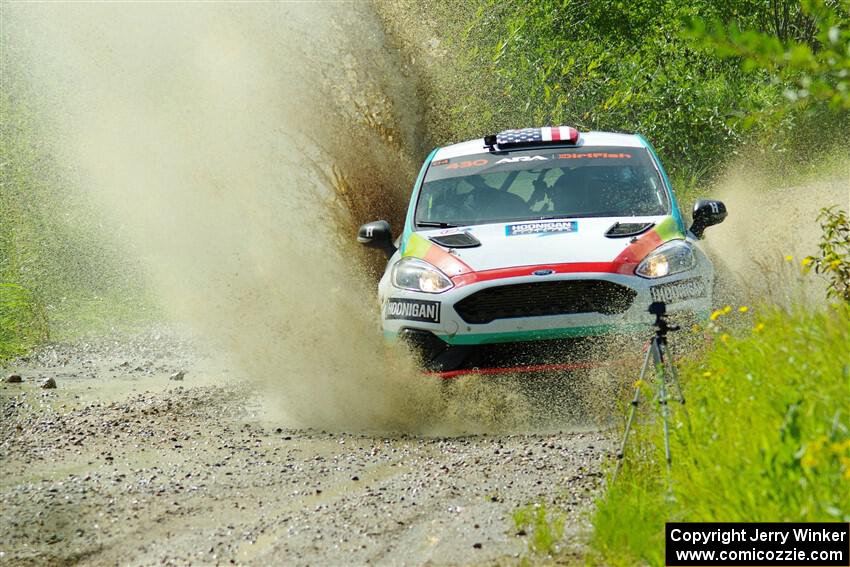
column 540, row 184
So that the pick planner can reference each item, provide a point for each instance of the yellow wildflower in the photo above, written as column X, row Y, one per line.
column 758, row 328
column 813, row 450
column 789, row 258
column 727, row 309
column 640, row 384
column 715, row 314
column 809, row 460
column 834, row 264
column 807, row 260
column 706, row 374
column 743, row 309
column 725, row 338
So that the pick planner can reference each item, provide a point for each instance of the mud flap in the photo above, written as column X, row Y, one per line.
column 434, row 353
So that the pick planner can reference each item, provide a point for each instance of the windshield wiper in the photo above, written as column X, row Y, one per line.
column 437, row 224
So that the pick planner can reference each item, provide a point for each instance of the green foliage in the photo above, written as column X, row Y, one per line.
column 621, row 67
column 626, row 66
column 59, row 267
column 23, row 323
column 543, row 528
column 813, row 63
column 833, row 261
column 626, row 529
column 768, row 437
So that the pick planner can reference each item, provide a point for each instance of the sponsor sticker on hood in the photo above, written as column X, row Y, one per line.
column 547, row 227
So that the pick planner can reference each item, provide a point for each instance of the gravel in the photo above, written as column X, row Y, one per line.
column 123, row 466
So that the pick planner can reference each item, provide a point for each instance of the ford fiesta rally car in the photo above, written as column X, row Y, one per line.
column 539, row 234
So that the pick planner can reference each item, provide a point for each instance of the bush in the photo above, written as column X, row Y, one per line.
column 833, row 261
column 652, row 66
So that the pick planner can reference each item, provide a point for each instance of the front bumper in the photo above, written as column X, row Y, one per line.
column 404, row 310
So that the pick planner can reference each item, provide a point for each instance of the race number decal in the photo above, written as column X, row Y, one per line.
column 467, row 163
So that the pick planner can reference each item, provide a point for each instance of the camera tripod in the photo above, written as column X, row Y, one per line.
column 665, row 374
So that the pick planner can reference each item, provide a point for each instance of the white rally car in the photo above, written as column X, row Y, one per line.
column 539, row 234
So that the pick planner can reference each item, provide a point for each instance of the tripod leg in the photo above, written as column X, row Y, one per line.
column 674, row 375
column 661, row 375
column 635, row 401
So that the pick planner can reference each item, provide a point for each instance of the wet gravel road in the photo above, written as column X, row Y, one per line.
column 122, row 464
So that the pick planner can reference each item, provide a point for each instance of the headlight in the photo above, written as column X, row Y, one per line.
column 418, row 275
column 667, row 259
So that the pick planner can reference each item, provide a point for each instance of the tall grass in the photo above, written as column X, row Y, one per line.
column 767, row 437
column 23, row 323
column 544, row 528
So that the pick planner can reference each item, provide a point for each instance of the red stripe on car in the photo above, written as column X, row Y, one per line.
column 616, row 267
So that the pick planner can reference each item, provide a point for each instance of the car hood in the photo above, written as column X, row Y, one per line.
column 530, row 243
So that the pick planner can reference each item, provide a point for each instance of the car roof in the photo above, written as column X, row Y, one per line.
column 586, row 140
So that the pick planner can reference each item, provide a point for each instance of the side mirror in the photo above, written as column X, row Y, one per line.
column 377, row 234
column 707, row 212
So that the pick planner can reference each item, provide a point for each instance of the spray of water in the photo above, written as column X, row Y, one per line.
column 236, row 147
column 227, row 141
column 758, row 249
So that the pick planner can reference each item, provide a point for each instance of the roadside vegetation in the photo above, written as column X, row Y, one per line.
column 682, row 74
column 766, row 436
column 543, row 528
column 61, row 271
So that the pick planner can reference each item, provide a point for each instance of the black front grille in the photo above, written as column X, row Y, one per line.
column 545, row 298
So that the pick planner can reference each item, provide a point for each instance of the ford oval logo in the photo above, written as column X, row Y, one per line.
column 543, row 273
